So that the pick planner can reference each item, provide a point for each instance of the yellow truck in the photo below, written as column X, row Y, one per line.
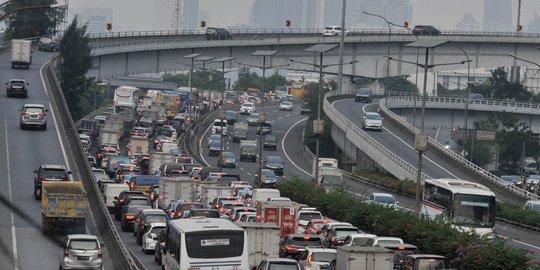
column 64, row 206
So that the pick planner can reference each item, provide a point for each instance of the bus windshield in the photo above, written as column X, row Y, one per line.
column 215, row 244
column 474, row 210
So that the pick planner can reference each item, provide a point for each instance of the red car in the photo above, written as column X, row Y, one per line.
column 315, row 225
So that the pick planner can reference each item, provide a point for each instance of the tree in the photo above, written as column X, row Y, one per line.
column 76, row 63
column 247, row 79
column 276, row 80
column 400, row 84
column 31, row 22
column 498, row 87
column 213, row 79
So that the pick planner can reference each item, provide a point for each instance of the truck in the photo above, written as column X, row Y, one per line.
column 240, row 131
column 248, row 150
column 114, row 123
column 210, row 191
column 138, row 144
column 327, row 167
column 175, row 188
column 157, row 159
column 108, row 136
column 143, row 183
column 364, row 258
column 263, row 241
column 281, row 213
column 125, row 102
column 63, row 207
column 21, row 53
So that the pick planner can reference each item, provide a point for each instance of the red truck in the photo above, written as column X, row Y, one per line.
column 281, row 213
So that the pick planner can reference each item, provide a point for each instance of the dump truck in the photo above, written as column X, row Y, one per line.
column 64, row 207
column 240, row 132
column 248, row 150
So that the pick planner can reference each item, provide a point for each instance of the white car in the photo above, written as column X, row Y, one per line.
column 286, row 106
column 247, row 108
column 358, row 239
column 372, row 120
column 334, row 30
column 316, row 258
column 384, row 199
column 150, row 238
column 220, row 127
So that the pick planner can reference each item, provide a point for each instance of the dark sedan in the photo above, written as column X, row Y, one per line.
column 275, row 164
column 214, row 149
column 227, row 160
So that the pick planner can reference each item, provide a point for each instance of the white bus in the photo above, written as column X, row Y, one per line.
column 205, row 244
column 466, row 205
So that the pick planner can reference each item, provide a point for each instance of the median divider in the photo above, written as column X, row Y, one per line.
column 121, row 256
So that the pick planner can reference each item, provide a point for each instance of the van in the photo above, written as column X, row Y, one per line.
column 111, row 191
column 263, row 194
column 213, row 33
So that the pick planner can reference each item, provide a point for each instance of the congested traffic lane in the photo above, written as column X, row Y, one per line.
column 22, row 243
column 282, row 121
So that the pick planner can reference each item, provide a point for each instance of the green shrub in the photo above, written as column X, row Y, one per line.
column 466, row 251
column 517, row 214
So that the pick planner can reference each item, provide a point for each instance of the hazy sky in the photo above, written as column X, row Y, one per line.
column 443, row 14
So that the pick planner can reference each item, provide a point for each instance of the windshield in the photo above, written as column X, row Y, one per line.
column 309, row 216
column 385, row 199
column 373, row 116
column 323, row 256
column 342, row 233
column 474, row 210
column 274, row 160
column 247, row 105
column 283, row 266
column 155, row 218
column 332, row 180
column 214, row 244
column 310, row 242
column 432, row 263
column 86, row 244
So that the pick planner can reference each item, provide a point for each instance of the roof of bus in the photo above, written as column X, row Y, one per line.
column 203, row 224
column 461, row 186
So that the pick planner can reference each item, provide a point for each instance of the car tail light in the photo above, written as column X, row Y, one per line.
column 152, row 196
column 122, row 200
column 40, row 179
column 130, row 217
column 42, row 115
column 66, row 252
column 25, row 114
column 100, row 253
column 289, row 248
column 131, row 185
column 309, row 260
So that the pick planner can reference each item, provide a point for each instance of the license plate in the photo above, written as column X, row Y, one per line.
column 83, row 258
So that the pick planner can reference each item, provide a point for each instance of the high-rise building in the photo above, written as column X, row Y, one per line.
column 273, row 14
column 164, row 14
column 190, row 16
column 395, row 11
column 497, row 15
column 468, row 23
column 95, row 18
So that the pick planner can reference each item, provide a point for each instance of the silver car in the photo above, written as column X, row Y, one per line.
column 81, row 251
column 33, row 115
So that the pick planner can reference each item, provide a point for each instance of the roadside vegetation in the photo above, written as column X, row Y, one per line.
column 466, row 251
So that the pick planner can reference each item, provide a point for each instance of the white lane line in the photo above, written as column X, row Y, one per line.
column 288, row 115
column 41, row 76
column 285, row 149
column 279, row 118
column 437, row 134
column 249, row 173
column 200, row 145
column 13, row 231
column 241, row 168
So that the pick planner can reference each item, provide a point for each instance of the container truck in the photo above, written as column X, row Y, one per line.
column 157, row 159
column 263, row 241
column 248, row 150
column 63, row 207
column 364, row 258
column 281, row 213
column 21, row 53
column 138, row 144
column 210, row 191
column 108, row 136
column 175, row 188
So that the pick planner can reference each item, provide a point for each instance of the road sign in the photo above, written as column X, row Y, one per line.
column 457, row 134
column 485, row 135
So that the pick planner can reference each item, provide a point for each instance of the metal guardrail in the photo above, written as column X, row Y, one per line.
column 121, row 256
column 363, row 139
column 458, row 158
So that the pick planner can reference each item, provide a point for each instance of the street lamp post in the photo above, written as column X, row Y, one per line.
column 222, row 61
column 341, row 45
column 262, row 115
column 421, row 139
column 466, row 99
column 190, row 80
column 387, row 53
column 205, row 59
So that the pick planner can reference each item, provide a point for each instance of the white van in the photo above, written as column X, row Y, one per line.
column 112, row 190
column 263, row 194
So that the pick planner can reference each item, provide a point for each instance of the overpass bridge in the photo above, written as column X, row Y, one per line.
column 131, row 53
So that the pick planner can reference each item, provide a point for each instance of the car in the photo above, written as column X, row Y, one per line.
column 425, row 30
column 331, row 182
column 230, row 116
column 275, row 263
column 171, row 207
column 268, row 179
column 203, row 212
column 294, row 244
column 305, row 215
column 247, row 108
column 532, row 205
column 305, row 109
column 275, row 163
column 328, row 226
column 144, row 219
column 99, row 174
column 183, row 208
column 401, row 251
column 121, row 200
column 219, row 127
column 363, row 94
column 214, row 33
column 160, row 247
column 383, row 199
column 214, row 149
column 135, row 200
column 213, row 137
column 286, row 106
column 237, row 212
column 425, row 261
column 358, row 239
column 49, row 172
column 337, row 234
column 218, row 201
column 334, row 30
column 129, row 215
column 227, row 160
column 47, row 44
column 125, row 172
column 270, row 142
column 510, row 180
column 33, row 115
column 316, row 258
column 248, row 217
column 81, row 251
column 266, row 128
column 532, row 183
column 383, row 241
column 226, row 207
column 315, row 225
column 150, row 238
column 372, row 120
column 253, row 119
column 17, row 87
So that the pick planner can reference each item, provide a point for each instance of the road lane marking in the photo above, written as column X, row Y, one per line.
column 437, row 134
column 279, row 118
column 201, row 153
column 284, row 149
column 241, row 168
column 249, row 173
column 13, row 231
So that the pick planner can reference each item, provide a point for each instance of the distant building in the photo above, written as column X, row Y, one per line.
column 468, row 23
column 396, row 11
column 164, row 14
column 272, row 14
column 457, row 79
column 497, row 15
column 95, row 18
column 190, row 16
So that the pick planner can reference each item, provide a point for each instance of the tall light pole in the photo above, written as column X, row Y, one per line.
column 341, row 46
column 387, row 53
column 205, row 59
column 222, row 60
column 466, row 99
column 190, row 80
column 262, row 115
column 518, row 26
column 421, row 139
